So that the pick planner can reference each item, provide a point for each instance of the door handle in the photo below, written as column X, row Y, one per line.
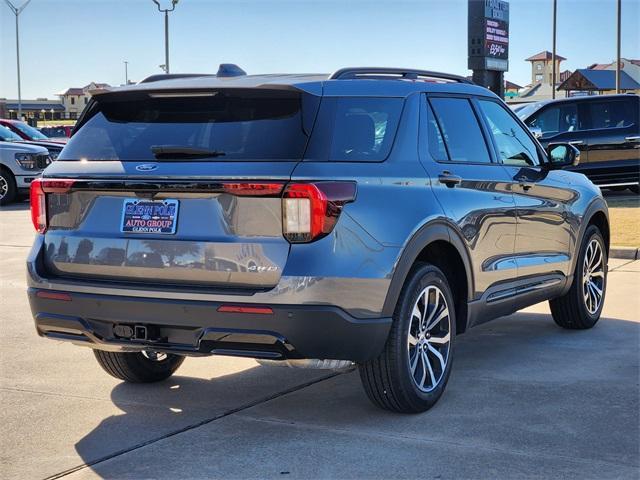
column 526, row 186
column 576, row 142
column 449, row 179
column 633, row 139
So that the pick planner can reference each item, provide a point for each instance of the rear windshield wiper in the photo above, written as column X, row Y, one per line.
column 179, row 152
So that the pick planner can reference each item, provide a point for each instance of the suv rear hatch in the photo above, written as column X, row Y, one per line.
column 176, row 188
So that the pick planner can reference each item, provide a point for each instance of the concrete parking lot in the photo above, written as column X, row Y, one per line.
column 526, row 399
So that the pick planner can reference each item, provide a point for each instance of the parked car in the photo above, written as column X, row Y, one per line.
column 9, row 135
column 20, row 164
column 59, row 132
column 606, row 129
column 27, row 132
column 366, row 217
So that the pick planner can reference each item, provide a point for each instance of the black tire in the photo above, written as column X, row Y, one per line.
column 7, row 187
column 571, row 311
column 388, row 380
column 136, row 367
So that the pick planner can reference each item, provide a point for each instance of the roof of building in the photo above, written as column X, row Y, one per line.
column 544, row 55
column 34, row 105
column 589, row 79
column 610, row 66
column 83, row 90
column 511, row 86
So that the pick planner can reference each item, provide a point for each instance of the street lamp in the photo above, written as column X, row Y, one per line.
column 166, row 29
column 17, row 11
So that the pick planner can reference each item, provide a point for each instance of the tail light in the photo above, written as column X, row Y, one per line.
column 311, row 210
column 38, row 194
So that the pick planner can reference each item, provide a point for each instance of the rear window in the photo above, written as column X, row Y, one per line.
column 355, row 129
column 250, row 124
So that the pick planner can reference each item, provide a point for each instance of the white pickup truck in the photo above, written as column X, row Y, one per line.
column 20, row 164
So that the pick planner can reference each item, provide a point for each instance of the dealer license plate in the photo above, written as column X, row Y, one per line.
column 145, row 216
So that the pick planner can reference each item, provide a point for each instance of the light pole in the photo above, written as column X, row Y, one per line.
column 126, row 72
column 166, row 29
column 17, row 11
column 618, row 47
column 553, row 54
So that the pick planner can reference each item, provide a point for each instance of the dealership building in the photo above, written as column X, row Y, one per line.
column 68, row 107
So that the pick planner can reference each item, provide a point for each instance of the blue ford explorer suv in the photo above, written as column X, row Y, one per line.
column 366, row 217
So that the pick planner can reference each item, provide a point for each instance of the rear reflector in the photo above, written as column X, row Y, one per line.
column 245, row 309
column 53, row 295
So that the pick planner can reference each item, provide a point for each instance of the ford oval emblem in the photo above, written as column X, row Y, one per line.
column 147, row 167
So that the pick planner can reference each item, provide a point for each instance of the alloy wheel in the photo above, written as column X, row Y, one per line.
column 593, row 276
column 154, row 356
column 4, row 187
column 429, row 338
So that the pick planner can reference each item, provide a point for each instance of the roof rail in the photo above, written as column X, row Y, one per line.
column 351, row 73
column 170, row 76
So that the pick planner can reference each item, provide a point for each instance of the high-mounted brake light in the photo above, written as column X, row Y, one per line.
column 311, row 210
column 38, row 196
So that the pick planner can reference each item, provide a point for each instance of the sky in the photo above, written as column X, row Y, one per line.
column 70, row 43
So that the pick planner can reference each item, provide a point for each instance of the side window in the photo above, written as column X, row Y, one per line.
column 363, row 128
column 612, row 114
column 515, row 146
column 436, row 142
column 460, row 129
column 557, row 119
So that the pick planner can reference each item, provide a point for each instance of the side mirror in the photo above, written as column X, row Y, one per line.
column 562, row 155
column 537, row 131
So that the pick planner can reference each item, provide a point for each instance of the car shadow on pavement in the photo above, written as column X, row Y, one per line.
column 504, row 371
column 17, row 206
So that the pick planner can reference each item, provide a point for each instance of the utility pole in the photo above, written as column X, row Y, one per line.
column 166, row 29
column 126, row 72
column 618, row 46
column 17, row 11
column 553, row 54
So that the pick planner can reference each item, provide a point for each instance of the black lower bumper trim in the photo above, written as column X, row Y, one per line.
column 197, row 328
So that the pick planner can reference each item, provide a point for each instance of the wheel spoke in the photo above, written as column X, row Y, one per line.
column 596, row 289
column 440, row 340
column 416, row 312
column 436, row 305
column 598, row 273
column 414, row 362
column 424, row 369
column 425, row 359
column 438, row 319
column 413, row 341
column 438, row 356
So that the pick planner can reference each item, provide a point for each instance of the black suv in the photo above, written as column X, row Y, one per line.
column 606, row 129
column 364, row 217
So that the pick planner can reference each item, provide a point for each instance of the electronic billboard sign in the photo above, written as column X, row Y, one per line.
column 489, row 35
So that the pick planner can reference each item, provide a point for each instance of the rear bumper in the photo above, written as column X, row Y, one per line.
column 197, row 327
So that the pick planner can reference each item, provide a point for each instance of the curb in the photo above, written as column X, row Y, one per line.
column 625, row 253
